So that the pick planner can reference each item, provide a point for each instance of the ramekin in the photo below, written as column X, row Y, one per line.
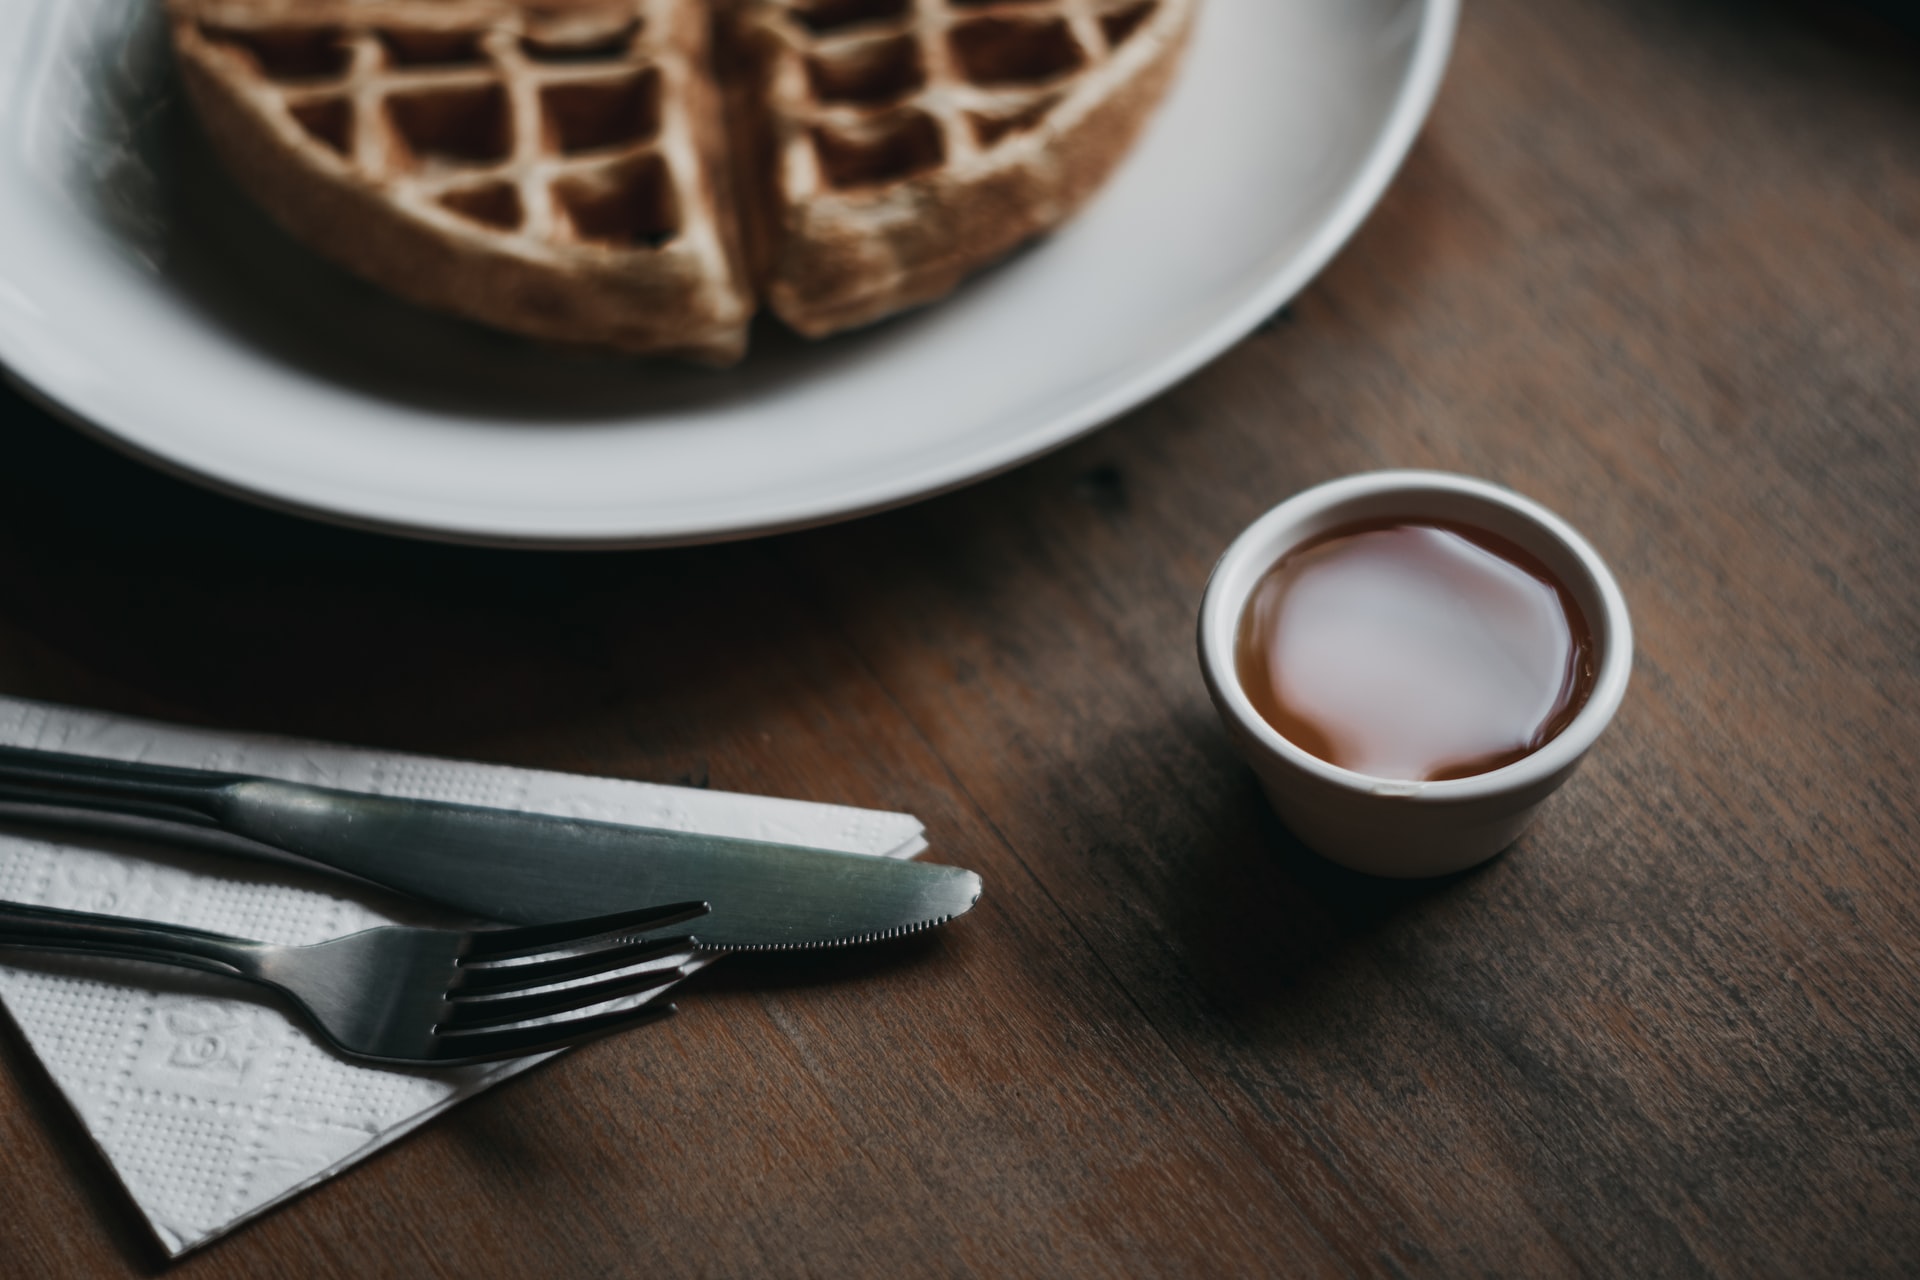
column 1383, row 826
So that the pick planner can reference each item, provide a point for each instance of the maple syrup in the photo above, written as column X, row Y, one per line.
column 1415, row 650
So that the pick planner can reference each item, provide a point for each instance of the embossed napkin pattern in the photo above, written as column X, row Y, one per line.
column 212, row 1109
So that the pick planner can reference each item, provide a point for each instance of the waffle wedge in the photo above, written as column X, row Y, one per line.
column 556, row 170
column 890, row 148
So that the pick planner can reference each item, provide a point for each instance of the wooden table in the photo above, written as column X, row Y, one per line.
column 1655, row 263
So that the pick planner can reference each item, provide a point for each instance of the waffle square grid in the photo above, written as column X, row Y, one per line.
column 898, row 88
column 548, row 128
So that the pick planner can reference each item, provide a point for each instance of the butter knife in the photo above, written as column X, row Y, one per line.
column 521, row 868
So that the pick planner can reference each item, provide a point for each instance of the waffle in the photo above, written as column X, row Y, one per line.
column 888, row 148
column 559, row 170
column 567, row 169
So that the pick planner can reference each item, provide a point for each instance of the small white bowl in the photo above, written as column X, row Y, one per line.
column 1383, row 826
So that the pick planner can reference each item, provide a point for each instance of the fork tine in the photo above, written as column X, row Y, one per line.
column 504, row 944
column 500, row 1011
column 486, row 980
column 524, row 1042
column 453, row 1048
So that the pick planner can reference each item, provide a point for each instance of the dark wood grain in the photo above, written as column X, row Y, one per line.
column 1655, row 263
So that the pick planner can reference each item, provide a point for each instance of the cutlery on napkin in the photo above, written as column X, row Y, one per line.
column 211, row 1110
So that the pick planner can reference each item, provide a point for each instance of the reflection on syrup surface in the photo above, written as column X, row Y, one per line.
column 1415, row 651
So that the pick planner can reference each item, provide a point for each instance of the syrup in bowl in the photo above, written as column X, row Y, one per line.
column 1412, row 650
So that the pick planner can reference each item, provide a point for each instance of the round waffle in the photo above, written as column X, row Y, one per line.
column 566, row 169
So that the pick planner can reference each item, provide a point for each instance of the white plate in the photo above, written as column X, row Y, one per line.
column 142, row 295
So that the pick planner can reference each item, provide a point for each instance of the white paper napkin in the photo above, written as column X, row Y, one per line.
column 211, row 1109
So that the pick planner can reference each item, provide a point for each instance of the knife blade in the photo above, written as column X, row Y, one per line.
column 521, row 868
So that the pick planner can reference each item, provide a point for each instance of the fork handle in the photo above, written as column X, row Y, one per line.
column 94, row 784
column 84, row 933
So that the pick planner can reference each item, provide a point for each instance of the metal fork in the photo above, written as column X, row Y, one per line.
column 405, row 996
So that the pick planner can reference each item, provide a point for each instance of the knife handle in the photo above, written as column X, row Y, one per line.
column 352, row 833
column 52, row 779
column 360, row 835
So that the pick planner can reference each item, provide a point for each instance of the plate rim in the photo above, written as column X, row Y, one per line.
column 1413, row 103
